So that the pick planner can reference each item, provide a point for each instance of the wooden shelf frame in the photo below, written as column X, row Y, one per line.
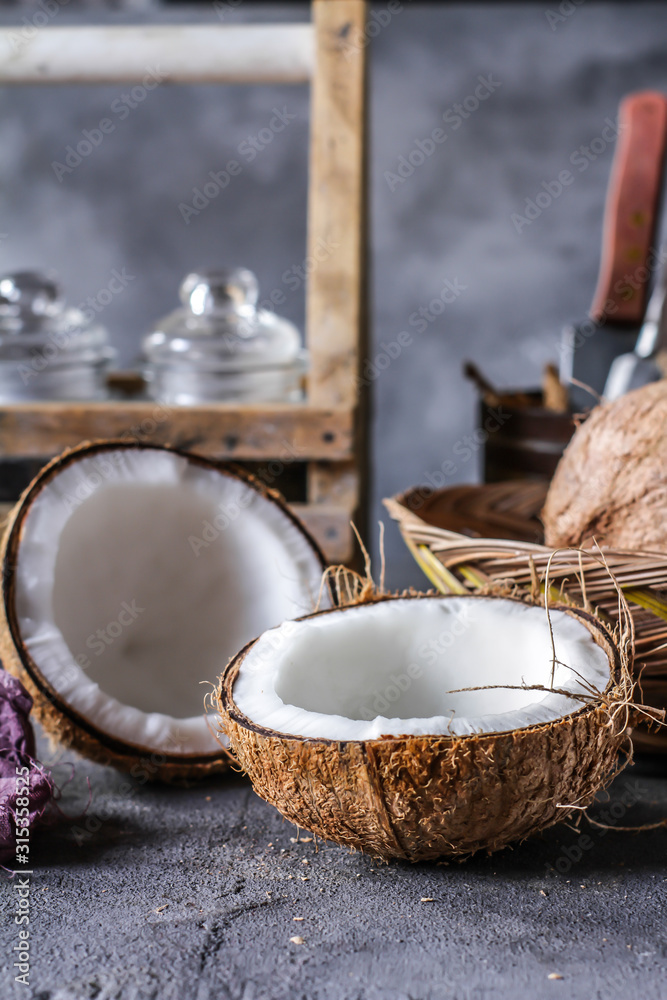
column 216, row 430
column 328, row 431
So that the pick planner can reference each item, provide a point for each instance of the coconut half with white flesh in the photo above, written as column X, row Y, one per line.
column 132, row 573
column 425, row 726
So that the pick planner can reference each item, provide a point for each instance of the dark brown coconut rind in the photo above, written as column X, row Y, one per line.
column 421, row 798
column 611, row 483
column 60, row 721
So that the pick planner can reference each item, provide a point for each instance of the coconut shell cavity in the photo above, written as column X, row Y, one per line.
column 425, row 726
column 131, row 575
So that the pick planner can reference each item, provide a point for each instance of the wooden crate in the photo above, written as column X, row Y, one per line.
column 327, row 432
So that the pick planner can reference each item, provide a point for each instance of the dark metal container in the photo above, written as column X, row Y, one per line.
column 522, row 441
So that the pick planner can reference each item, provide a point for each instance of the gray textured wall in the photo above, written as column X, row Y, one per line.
column 554, row 85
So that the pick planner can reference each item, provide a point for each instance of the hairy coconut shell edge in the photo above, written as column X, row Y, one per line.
column 421, row 798
column 64, row 725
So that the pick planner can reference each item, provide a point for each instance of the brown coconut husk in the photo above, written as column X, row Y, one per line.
column 418, row 797
column 62, row 724
column 611, row 483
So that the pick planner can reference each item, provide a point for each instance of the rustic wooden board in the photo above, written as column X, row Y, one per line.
column 336, row 203
column 334, row 483
column 225, row 53
column 335, row 300
column 217, row 430
column 331, row 528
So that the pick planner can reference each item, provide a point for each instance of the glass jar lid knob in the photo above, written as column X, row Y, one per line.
column 29, row 296
column 220, row 291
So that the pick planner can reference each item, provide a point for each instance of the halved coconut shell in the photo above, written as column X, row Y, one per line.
column 130, row 574
column 418, row 795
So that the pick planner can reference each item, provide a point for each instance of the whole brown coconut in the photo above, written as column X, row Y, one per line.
column 611, row 483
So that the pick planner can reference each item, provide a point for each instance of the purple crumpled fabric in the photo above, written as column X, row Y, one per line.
column 17, row 750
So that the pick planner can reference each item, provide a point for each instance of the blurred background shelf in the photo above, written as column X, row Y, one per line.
column 327, row 433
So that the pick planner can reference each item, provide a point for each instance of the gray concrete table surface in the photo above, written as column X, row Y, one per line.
column 195, row 894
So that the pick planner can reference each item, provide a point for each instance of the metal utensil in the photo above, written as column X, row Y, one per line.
column 589, row 348
column 630, row 371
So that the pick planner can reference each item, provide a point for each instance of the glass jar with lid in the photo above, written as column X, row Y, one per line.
column 47, row 349
column 220, row 346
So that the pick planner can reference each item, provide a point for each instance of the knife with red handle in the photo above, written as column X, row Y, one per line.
column 629, row 255
column 631, row 210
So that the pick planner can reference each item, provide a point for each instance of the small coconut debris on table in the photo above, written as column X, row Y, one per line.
column 424, row 726
column 132, row 573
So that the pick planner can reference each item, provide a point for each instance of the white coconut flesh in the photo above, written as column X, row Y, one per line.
column 393, row 668
column 139, row 574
